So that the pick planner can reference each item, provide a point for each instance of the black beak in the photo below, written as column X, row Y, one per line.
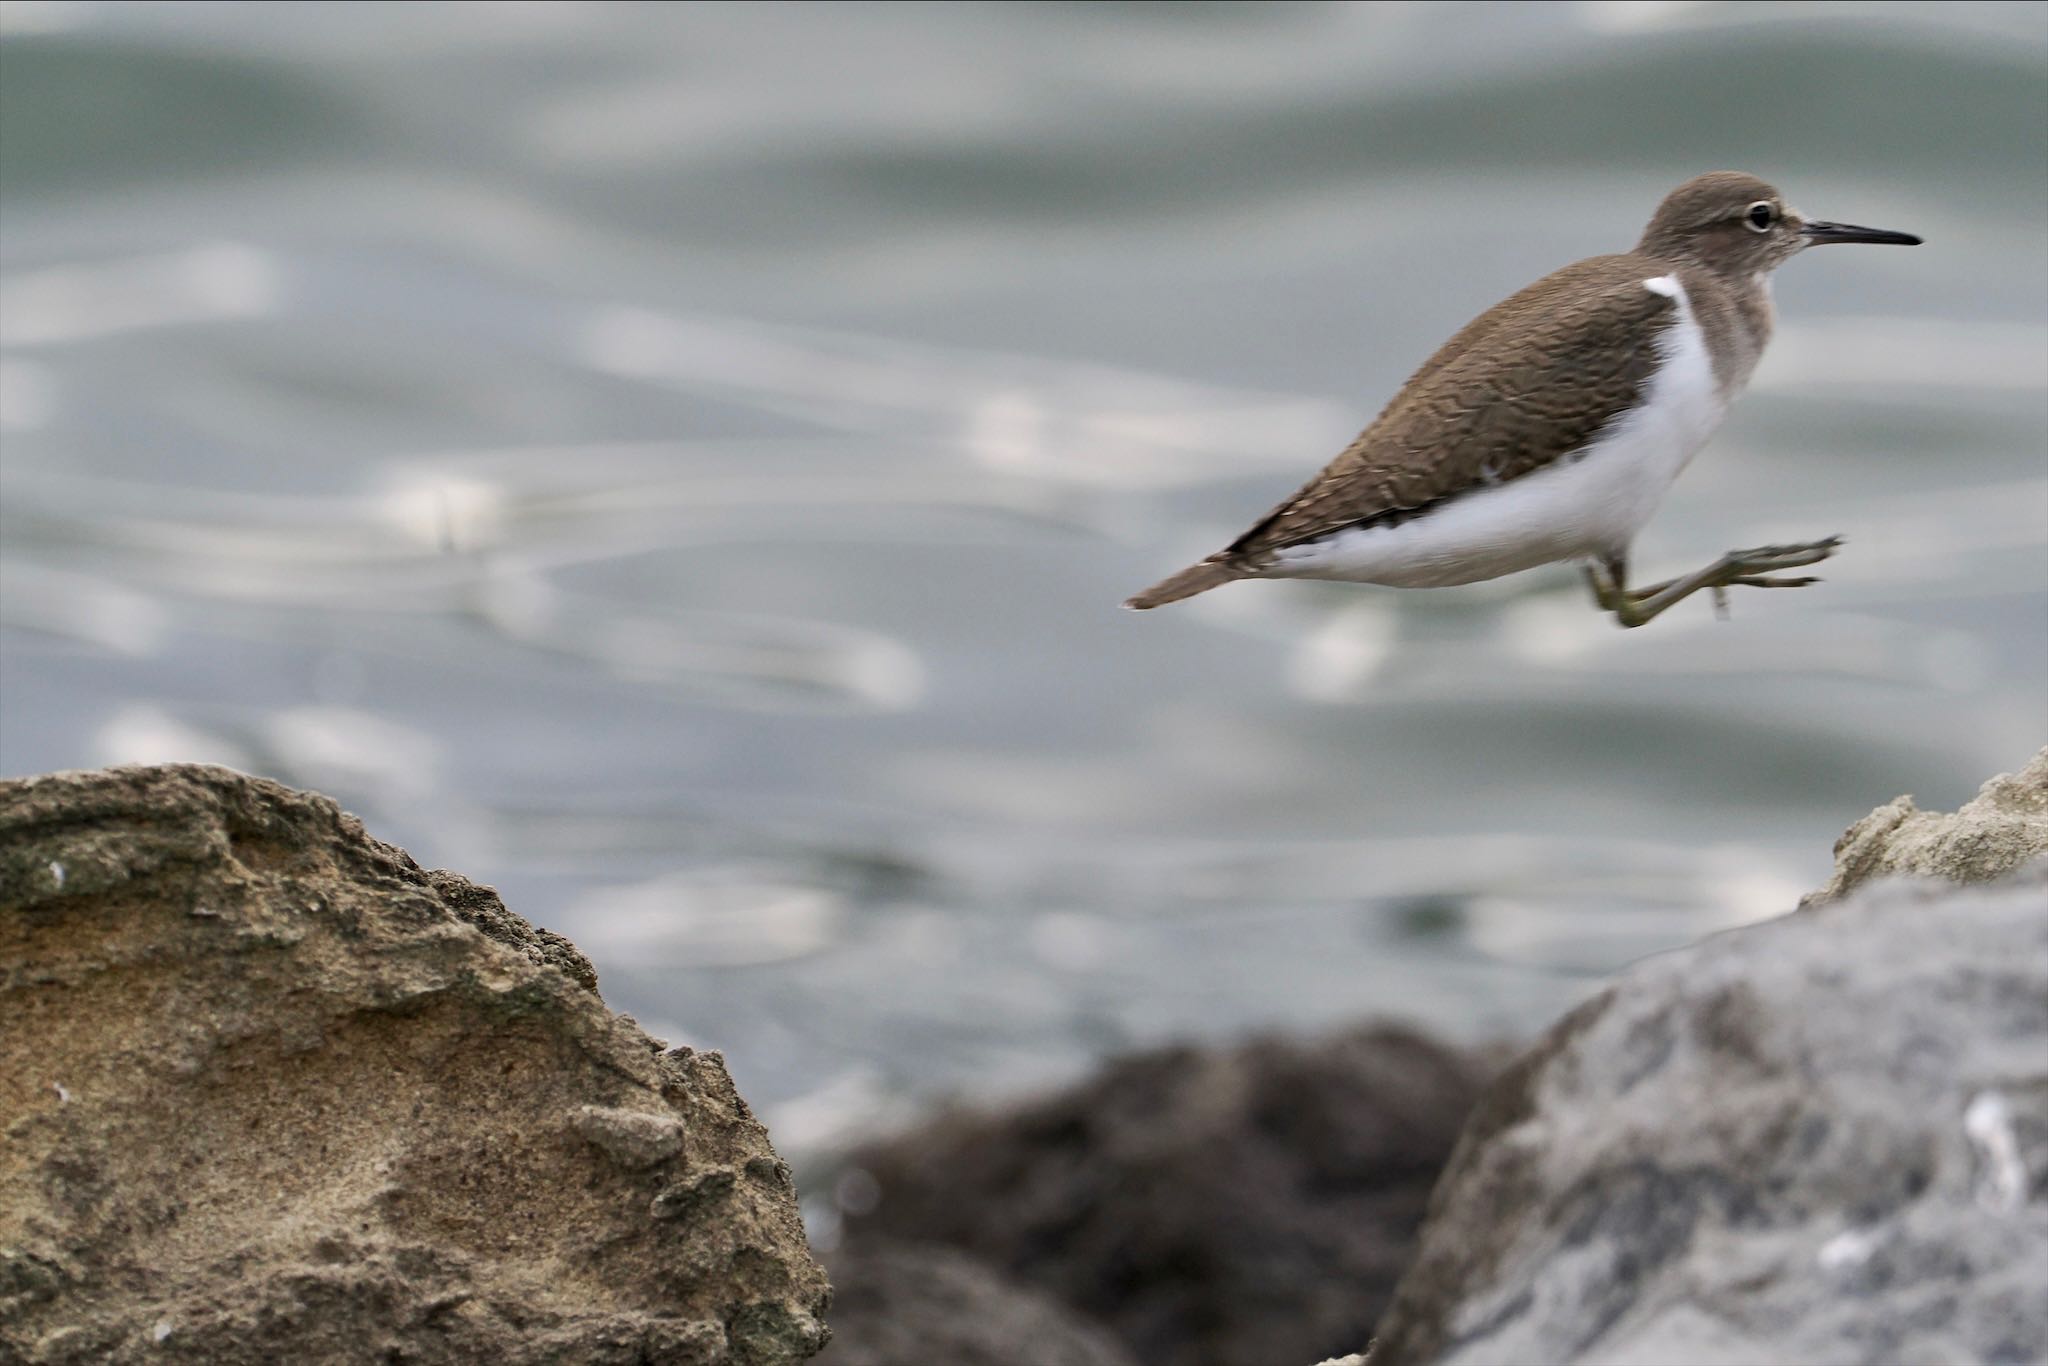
column 1820, row 234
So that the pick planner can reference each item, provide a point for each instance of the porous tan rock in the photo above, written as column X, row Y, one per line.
column 1998, row 831
column 269, row 1091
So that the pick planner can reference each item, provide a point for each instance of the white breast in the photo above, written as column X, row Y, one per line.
column 1589, row 503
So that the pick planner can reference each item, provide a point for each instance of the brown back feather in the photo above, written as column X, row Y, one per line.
column 1532, row 379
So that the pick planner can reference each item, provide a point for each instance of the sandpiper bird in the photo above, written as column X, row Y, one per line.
column 1548, row 429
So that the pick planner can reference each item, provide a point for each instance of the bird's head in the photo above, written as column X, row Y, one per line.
column 1739, row 226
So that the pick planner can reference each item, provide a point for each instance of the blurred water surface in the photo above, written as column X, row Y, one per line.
column 680, row 465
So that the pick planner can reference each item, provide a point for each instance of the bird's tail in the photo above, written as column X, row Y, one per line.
column 1198, row 578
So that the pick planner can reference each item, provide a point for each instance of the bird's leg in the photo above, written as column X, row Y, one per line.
column 1606, row 577
column 1738, row 568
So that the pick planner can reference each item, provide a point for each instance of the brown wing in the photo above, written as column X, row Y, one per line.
column 1533, row 378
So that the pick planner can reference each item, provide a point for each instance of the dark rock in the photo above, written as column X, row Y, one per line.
column 1214, row 1208
column 271, row 1092
column 1819, row 1139
column 898, row 1304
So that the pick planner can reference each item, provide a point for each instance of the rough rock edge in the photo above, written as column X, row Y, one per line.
column 158, row 870
column 2002, row 828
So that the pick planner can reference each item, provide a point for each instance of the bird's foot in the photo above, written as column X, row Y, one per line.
column 1748, row 569
column 1768, row 559
column 1757, row 568
column 1760, row 581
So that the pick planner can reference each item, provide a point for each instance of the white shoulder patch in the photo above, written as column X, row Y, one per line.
column 1667, row 285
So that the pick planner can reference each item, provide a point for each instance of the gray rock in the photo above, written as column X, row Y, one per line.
column 2004, row 827
column 271, row 1092
column 1823, row 1139
column 900, row 1304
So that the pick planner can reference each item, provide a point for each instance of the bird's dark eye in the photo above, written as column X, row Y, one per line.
column 1761, row 215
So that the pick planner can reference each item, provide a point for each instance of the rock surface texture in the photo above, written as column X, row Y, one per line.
column 1250, row 1206
column 2004, row 827
column 271, row 1092
column 1822, row 1139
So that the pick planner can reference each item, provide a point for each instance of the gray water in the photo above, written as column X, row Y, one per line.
column 680, row 466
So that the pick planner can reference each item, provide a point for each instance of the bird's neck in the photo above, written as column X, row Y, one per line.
column 1754, row 307
column 1737, row 315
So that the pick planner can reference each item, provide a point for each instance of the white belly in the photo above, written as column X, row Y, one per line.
column 1589, row 503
